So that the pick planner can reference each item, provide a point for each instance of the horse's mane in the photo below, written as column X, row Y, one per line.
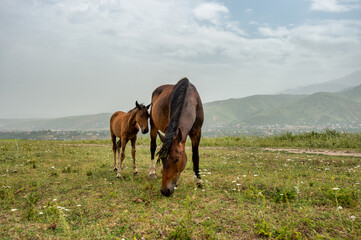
column 133, row 113
column 176, row 105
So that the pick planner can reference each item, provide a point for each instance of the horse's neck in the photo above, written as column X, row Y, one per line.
column 131, row 120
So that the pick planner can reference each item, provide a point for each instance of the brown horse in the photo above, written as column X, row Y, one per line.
column 125, row 126
column 177, row 111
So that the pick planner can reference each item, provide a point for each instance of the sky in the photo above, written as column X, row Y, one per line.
column 72, row 57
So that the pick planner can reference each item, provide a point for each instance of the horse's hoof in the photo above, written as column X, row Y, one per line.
column 115, row 169
column 135, row 173
column 199, row 183
column 152, row 176
column 118, row 175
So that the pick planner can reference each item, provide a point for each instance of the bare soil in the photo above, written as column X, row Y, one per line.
column 316, row 151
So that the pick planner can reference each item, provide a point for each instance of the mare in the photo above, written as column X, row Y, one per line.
column 125, row 126
column 177, row 111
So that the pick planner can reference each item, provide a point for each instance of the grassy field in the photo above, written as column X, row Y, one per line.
column 67, row 190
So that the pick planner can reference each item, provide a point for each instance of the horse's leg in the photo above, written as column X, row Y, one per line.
column 121, row 156
column 134, row 140
column 153, row 147
column 114, row 141
column 195, row 136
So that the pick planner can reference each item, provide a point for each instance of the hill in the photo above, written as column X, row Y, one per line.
column 337, row 85
column 354, row 93
column 235, row 110
column 278, row 113
column 319, row 108
column 85, row 122
column 237, row 116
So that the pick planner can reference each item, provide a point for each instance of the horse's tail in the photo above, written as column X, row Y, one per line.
column 176, row 105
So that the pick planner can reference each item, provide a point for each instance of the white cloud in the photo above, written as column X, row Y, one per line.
column 212, row 12
column 335, row 5
column 113, row 45
column 249, row 11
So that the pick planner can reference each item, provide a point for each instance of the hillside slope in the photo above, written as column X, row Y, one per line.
column 235, row 110
column 85, row 122
column 337, row 85
column 320, row 108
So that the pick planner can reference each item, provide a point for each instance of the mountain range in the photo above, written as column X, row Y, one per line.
column 338, row 102
column 336, row 85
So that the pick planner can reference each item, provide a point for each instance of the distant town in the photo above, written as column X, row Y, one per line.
column 217, row 130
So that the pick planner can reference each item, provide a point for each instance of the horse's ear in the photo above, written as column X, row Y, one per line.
column 148, row 106
column 161, row 136
column 137, row 105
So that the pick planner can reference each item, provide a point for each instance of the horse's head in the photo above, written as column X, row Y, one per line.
column 173, row 164
column 142, row 117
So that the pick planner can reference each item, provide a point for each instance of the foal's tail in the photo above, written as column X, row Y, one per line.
column 112, row 135
column 114, row 138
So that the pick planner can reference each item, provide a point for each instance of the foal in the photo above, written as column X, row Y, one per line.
column 125, row 126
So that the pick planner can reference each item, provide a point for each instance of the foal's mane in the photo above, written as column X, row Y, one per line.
column 176, row 105
column 133, row 113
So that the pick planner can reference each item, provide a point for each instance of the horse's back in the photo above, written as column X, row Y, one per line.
column 116, row 122
column 160, row 90
column 161, row 101
column 197, row 107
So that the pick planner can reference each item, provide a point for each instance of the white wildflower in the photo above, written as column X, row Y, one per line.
column 54, row 199
column 340, row 208
column 13, row 210
column 244, row 175
column 353, row 217
column 78, row 205
column 256, row 175
column 335, row 189
column 41, row 213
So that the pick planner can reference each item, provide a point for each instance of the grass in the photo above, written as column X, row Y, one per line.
column 67, row 190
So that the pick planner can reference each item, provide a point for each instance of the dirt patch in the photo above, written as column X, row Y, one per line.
column 316, row 151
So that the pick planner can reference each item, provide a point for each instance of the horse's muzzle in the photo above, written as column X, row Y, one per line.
column 167, row 192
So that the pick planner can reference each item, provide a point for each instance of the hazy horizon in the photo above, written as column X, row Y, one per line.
column 66, row 58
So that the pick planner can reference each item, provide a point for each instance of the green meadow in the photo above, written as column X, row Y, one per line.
column 68, row 190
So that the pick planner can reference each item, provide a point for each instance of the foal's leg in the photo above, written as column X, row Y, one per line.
column 121, row 157
column 153, row 147
column 114, row 141
column 195, row 137
column 134, row 140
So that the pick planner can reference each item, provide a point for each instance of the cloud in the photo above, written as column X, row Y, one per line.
column 249, row 11
column 108, row 46
column 335, row 5
column 212, row 12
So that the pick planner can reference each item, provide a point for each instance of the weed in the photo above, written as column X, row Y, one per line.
column 66, row 169
column 241, row 198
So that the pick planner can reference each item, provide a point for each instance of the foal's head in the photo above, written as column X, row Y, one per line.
column 173, row 164
column 142, row 117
